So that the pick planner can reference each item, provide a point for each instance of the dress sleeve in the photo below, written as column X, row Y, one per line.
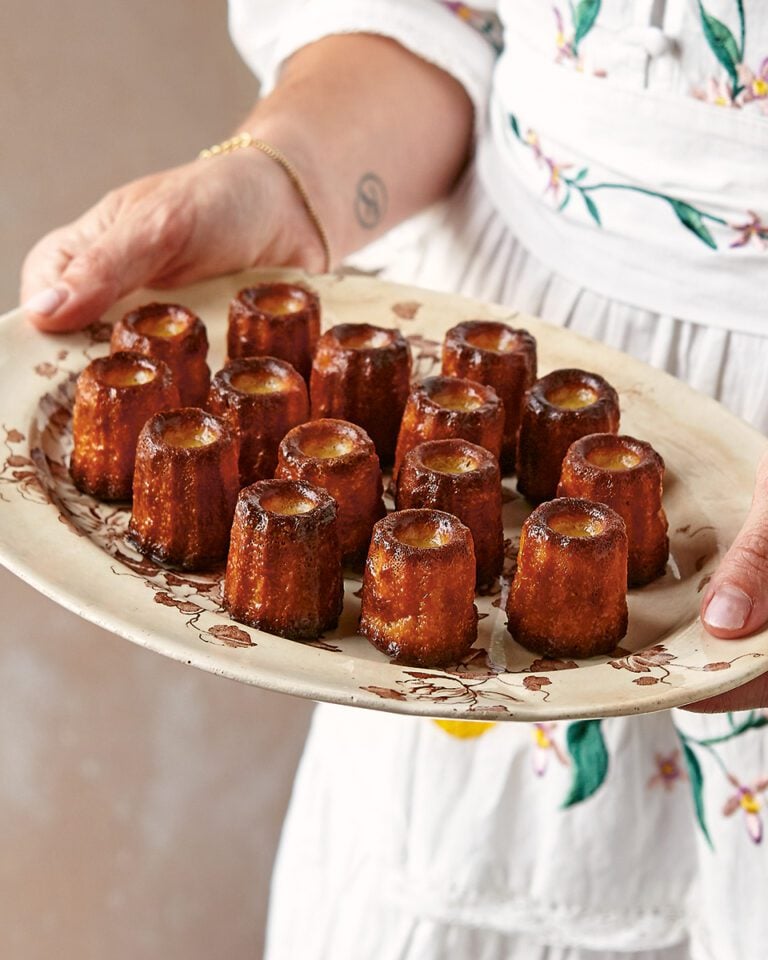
column 446, row 34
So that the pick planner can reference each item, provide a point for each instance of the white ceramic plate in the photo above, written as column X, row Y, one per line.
column 72, row 549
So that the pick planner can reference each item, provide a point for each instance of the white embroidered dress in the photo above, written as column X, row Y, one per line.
column 620, row 189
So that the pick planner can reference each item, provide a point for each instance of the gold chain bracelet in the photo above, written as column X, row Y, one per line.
column 243, row 140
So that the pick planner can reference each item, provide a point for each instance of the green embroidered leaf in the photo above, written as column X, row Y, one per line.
column 691, row 218
column 592, row 207
column 513, row 123
column 742, row 29
column 589, row 757
column 584, row 19
column 566, row 201
column 723, row 45
column 697, row 782
column 580, row 175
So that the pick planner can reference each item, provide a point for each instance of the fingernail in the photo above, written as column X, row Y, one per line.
column 46, row 302
column 728, row 609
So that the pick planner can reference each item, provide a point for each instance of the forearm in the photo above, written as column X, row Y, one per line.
column 376, row 133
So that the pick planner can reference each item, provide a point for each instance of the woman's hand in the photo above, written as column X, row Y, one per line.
column 736, row 601
column 206, row 218
column 349, row 111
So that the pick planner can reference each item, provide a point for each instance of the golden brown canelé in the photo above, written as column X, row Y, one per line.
column 275, row 320
column 175, row 335
column 184, row 489
column 501, row 357
column 361, row 373
column 445, row 408
column 461, row 478
column 568, row 597
column 339, row 457
column 114, row 398
column 262, row 398
column 558, row 409
column 627, row 475
column 418, row 588
column 284, row 566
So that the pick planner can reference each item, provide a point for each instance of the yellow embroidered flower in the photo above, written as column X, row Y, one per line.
column 465, row 729
column 760, row 87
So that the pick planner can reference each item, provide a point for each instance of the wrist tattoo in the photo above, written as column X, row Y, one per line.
column 370, row 201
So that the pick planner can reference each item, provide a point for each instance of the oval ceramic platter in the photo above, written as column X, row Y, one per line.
column 72, row 548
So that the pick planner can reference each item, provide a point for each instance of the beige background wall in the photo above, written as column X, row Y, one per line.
column 140, row 800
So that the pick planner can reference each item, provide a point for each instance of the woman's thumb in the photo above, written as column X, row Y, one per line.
column 736, row 601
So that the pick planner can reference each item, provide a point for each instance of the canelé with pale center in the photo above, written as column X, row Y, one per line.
column 284, row 566
column 558, row 409
column 174, row 334
column 463, row 479
column 185, row 487
column 568, row 596
column 339, row 457
column 418, row 588
column 114, row 398
column 627, row 475
column 275, row 320
column 262, row 398
column 445, row 408
column 361, row 373
column 500, row 356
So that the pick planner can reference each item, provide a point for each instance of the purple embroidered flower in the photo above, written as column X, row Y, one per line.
column 753, row 230
column 554, row 169
column 544, row 745
column 668, row 770
column 748, row 799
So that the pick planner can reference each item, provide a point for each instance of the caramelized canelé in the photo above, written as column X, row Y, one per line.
column 114, row 398
column 558, row 409
column 568, row 597
column 501, row 357
column 463, row 479
column 185, row 487
column 418, row 588
column 444, row 408
column 262, row 398
column 339, row 457
column 627, row 475
column 284, row 567
column 362, row 374
column 275, row 320
column 174, row 334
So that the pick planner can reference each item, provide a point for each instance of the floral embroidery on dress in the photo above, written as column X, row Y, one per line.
column 545, row 745
column 748, row 800
column 563, row 186
column 741, row 85
column 745, row 797
column 465, row 729
column 568, row 38
column 668, row 771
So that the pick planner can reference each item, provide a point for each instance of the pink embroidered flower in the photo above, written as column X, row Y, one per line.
column 563, row 43
column 754, row 230
column 748, row 799
column 668, row 770
column 554, row 169
column 544, row 745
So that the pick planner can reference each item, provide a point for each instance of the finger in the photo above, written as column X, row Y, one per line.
column 736, row 601
column 100, row 259
column 749, row 696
